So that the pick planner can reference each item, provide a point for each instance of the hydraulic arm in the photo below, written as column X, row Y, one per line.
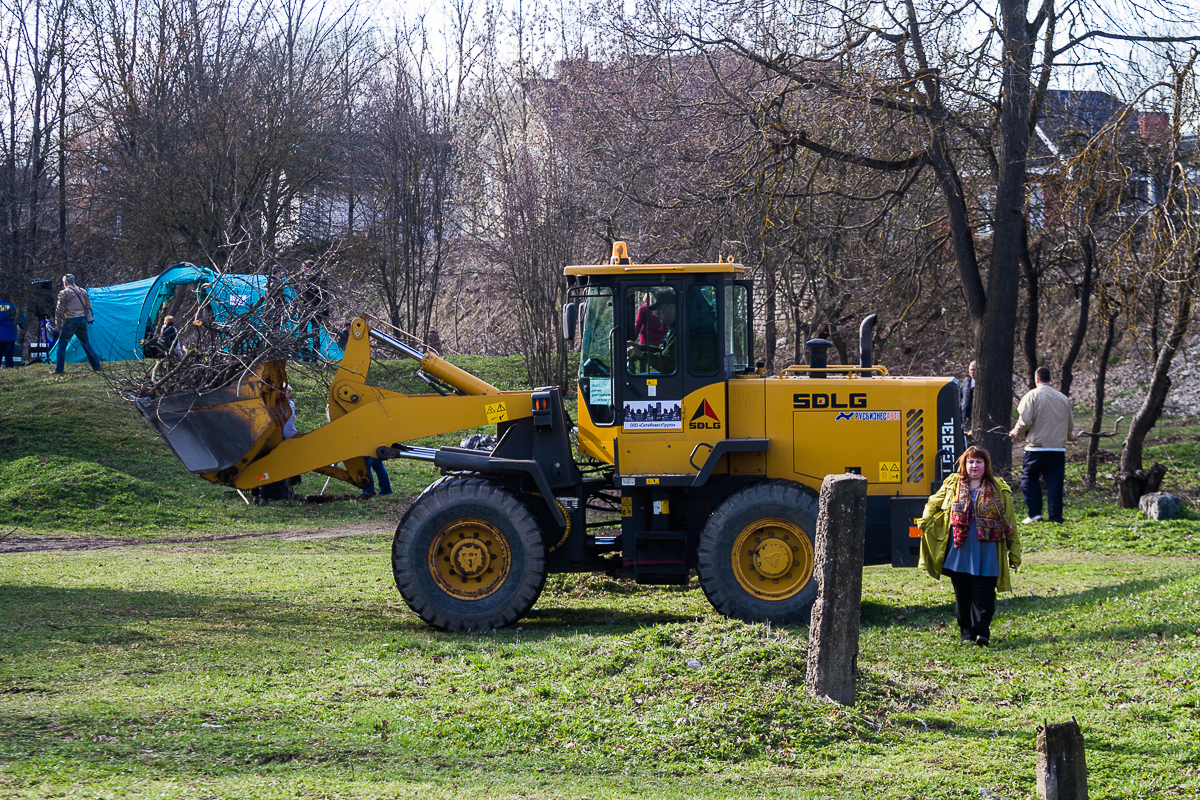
column 234, row 436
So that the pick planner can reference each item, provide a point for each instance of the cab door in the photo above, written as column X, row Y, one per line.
column 673, row 392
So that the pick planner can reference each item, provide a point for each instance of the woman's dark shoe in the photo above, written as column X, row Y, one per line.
column 966, row 636
column 982, row 641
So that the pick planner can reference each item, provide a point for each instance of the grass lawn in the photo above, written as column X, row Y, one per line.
column 268, row 668
column 271, row 668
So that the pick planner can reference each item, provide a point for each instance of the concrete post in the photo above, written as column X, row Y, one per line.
column 833, row 634
column 1061, row 768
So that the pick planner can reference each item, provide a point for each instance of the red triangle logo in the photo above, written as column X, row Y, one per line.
column 705, row 410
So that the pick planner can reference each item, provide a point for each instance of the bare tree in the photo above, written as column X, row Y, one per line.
column 37, row 76
column 946, row 91
column 212, row 120
column 410, row 179
column 1163, row 240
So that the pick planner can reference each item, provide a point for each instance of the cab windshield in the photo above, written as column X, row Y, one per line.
column 595, row 353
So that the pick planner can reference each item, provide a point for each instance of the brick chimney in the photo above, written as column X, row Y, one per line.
column 1154, row 128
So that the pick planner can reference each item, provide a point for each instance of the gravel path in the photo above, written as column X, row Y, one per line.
column 22, row 544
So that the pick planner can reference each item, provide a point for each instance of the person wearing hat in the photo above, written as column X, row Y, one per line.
column 73, row 314
column 660, row 358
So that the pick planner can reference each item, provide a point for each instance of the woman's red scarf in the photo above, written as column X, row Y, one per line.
column 987, row 512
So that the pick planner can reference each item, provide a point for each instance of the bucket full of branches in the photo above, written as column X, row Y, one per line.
column 218, row 388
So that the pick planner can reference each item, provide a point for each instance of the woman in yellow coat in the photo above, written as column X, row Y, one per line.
column 969, row 532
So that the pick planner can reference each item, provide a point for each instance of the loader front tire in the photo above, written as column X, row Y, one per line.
column 468, row 555
column 755, row 558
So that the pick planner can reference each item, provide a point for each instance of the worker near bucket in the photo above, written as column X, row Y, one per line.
column 280, row 490
column 73, row 314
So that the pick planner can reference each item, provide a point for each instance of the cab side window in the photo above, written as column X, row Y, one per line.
column 737, row 327
column 702, row 330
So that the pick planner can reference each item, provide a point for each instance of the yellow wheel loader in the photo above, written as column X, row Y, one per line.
column 687, row 456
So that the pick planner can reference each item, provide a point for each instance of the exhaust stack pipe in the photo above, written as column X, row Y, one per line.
column 818, row 356
column 866, row 338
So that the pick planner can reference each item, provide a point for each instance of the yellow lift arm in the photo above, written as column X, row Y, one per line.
column 234, row 436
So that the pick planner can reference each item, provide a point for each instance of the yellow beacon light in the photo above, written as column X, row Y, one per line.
column 620, row 253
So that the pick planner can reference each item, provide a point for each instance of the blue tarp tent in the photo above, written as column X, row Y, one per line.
column 129, row 312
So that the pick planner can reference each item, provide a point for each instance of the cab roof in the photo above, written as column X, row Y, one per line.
column 650, row 269
column 621, row 264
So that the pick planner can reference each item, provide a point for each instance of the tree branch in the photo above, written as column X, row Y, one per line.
column 800, row 139
column 1124, row 37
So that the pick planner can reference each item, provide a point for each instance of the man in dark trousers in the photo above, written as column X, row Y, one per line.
column 1045, row 422
column 966, row 395
column 11, row 323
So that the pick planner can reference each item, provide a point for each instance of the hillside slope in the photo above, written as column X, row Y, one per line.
column 75, row 458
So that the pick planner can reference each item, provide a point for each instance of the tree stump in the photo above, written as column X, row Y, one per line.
column 1061, row 768
column 833, row 634
column 1131, row 487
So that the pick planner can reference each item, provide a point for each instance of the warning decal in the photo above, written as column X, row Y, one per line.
column 889, row 471
column 496, row 412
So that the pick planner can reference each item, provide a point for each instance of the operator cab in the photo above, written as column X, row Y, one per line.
column 658, row 344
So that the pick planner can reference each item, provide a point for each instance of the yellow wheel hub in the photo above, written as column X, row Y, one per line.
column 772, row 558
column 469, row 559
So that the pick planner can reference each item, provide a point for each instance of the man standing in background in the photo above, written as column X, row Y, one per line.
column 11, row 321
column 966, row 395
column 73, row 314
column 1045, row 422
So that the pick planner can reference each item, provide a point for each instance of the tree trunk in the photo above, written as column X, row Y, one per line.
column 1160, row 384
column 1087, row 246
column 62, row 163
column 802, row 335
column 1156, row 315
column 1033, row 292
column 769, row 328
column 996, row 340
column 1093, row 452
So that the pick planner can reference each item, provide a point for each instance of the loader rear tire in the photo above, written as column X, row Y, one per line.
column 468, row 555
column 755, row 558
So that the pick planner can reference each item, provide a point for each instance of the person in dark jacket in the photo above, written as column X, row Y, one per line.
column 48, row 334
column 11, row 321
column 168, row 338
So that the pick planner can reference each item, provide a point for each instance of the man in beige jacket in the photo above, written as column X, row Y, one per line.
column 1045, row 422
column 73, row 315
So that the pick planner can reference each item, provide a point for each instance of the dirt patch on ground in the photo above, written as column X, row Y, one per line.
column 20, row 544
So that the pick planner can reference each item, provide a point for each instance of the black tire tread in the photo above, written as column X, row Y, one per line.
column 445, row 494
column 726, row 595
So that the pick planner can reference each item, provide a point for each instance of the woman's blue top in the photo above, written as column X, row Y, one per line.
column 974, row 557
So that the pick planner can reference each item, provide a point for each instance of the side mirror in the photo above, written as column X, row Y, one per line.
column 570, row 314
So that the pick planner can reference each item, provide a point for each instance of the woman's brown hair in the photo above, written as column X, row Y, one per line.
column 975, row 452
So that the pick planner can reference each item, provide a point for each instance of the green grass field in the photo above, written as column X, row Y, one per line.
column 180, row 665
